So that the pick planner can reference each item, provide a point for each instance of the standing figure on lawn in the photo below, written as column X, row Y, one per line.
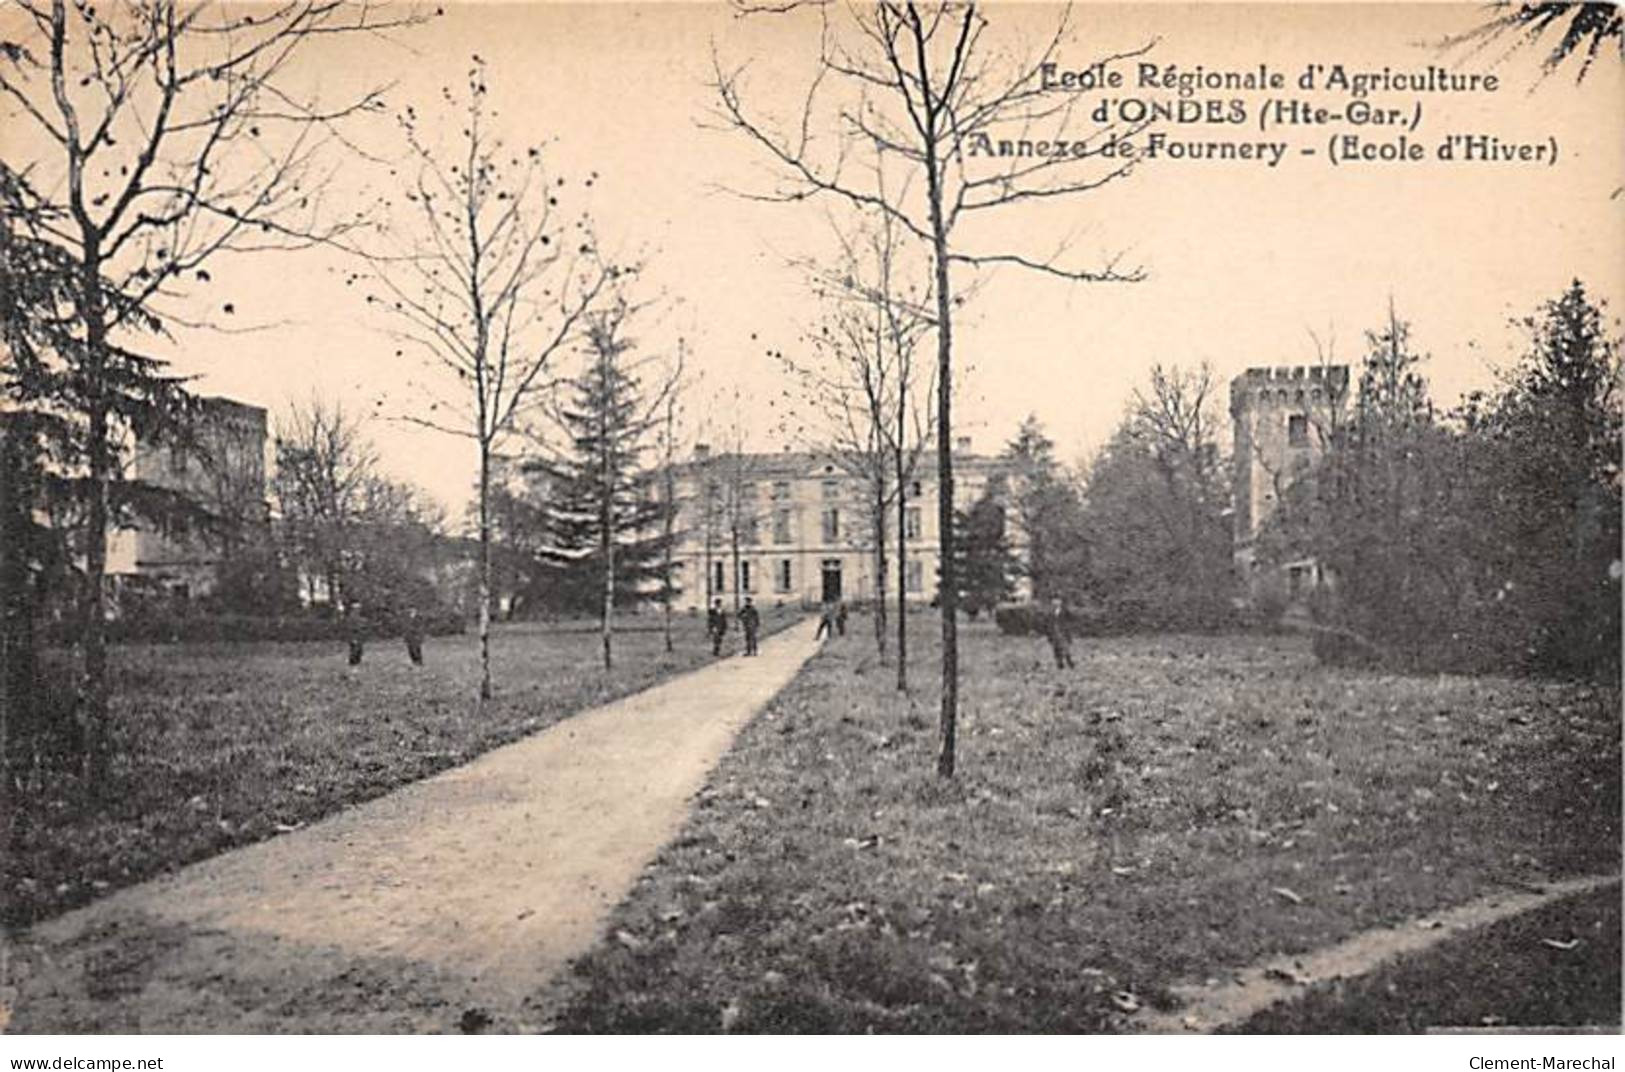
column 840, row 618
column 352, row 630
column 412, row 633
column 1059, row 630
column 750, row 620
column 716, row 624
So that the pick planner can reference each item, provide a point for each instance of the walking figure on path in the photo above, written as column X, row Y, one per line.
column 716, row 624
column 840, row 618
column 750, row 620
column 412, row 633
column 826, row 622
column 1059, row 631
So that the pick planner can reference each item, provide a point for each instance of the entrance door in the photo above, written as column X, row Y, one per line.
column 832, row 580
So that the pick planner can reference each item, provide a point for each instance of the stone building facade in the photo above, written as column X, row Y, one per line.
column 1281, row 419
column 222, row 470
column 804, row 527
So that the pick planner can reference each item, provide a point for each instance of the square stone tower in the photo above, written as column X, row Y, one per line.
column 1281, row 419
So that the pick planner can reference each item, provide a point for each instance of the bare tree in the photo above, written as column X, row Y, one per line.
column 324, row 466
column 1179, row 423
column 668, row 479
column 925, row 85
column 873, row 397
column 158, row 136
column 486, row 280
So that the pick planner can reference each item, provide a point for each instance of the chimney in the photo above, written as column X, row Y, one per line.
column 702, row 451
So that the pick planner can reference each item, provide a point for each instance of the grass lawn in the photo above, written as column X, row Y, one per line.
column 1558, row 966
column 1172, row 807
column 219, row 745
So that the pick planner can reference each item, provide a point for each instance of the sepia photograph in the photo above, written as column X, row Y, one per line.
column 806, row 517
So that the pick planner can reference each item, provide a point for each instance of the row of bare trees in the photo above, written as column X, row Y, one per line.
column 869, row 391
column 149, row 140
column 906, row 89
column 152, row 139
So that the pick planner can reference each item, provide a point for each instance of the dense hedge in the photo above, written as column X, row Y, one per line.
column 172, row 629
column 1030, row 619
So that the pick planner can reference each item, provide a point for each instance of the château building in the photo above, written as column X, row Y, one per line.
column 796, row 527
column 221, row 468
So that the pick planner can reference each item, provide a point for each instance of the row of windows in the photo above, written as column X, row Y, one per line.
column 784, row 576
column 830, row 489
column 829, row 526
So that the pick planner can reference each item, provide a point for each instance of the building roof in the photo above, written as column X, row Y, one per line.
column 810, row 464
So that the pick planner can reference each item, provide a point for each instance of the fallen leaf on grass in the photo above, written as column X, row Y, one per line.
column 288, row 828
column 1286, row 894
column 629, row 940
column 1556, row 944
column 1126, row 1001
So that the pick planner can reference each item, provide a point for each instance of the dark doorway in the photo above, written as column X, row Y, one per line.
column 832, row 580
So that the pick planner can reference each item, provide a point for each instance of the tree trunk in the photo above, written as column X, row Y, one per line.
column 902, row 562
column 947, row 594
column 94, row 715
column 18, row 724
column 671, row 521
column 880, row 561
column 733, row 550
column 485, row 567
column 606, row 537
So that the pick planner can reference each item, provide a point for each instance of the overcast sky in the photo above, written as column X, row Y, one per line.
column 1243, row 261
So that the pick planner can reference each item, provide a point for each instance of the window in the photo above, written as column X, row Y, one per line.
column 911, row 523
column 718, row 575
column 832, row 525
column 744, row 576
column 914, row 490
column 781, row 526
column 781, row 489
column 781, row 578
column 914, row 580
column 832, row 489
column 1297, row 430
column 748, row 530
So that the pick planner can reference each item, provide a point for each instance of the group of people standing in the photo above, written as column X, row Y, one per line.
column 750, row 623
column 831, row 622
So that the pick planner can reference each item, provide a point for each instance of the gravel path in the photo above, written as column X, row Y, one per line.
column 446, row 905
column 1226, row 1004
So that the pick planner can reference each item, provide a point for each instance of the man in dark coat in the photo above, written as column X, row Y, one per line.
column 840, row 618
column 352, row 631
column 1059, row 631
column 716, row 624
column 412, row 633
column 750, row 620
